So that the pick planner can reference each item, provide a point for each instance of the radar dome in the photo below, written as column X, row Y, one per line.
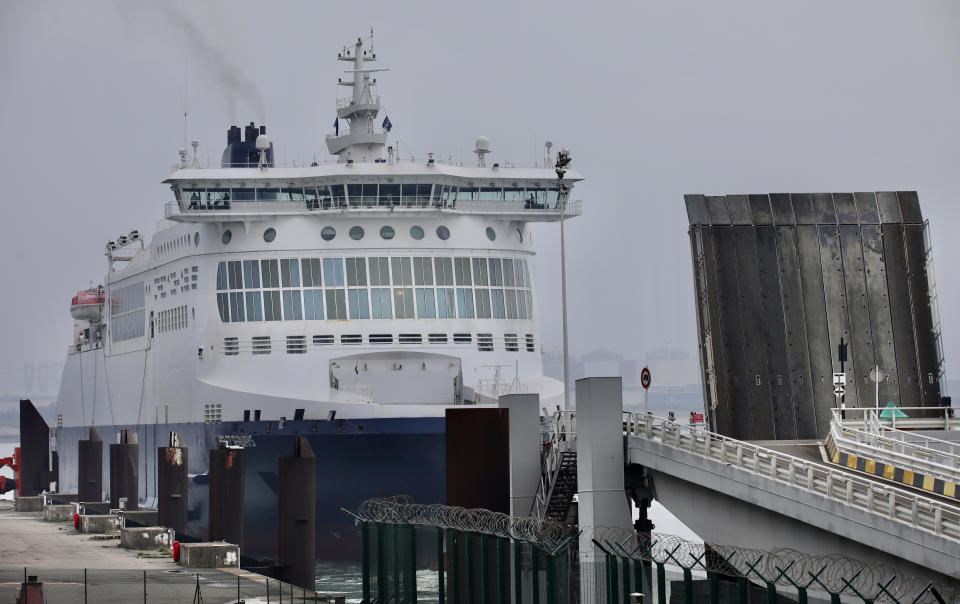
column 483, row 144
column 263, row 143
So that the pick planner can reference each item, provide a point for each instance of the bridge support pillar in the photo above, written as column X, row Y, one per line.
column 600, row 485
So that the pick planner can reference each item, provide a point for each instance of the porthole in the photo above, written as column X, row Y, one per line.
column 227, row 236
column 328, row 233
column 196, row 240
column 416, row 232
column 443, row 232
column 387, row 232
column 491, row 234
column 270, row 234
column 356, row 233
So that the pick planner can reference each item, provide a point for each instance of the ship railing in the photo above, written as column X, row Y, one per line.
column 176, row 208
column 423, row 161
column 348, row 101
column 560, row 431
column 897, row 505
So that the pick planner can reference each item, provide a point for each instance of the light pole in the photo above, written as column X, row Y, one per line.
column 563, row 161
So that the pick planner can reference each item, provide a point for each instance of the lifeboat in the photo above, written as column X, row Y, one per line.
column 87, row 305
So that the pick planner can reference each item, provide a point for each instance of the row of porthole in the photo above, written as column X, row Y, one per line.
column 357, row 233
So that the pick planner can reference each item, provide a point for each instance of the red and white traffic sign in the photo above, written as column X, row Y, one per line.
column 645, row 378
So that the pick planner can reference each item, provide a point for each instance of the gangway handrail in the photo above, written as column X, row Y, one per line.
column 562, row 430
column 898, row 505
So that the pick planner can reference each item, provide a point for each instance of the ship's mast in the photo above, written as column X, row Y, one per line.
column 357, row 137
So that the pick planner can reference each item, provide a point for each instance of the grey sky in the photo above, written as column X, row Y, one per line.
column 655, row 99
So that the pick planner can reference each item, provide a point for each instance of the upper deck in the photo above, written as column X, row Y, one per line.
column 417, row 186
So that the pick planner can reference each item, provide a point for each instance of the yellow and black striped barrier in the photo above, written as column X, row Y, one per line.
column 890, row 472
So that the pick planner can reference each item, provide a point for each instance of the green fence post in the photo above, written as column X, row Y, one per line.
column 661, row 583
column 535, row 572
column 502, row 572
column 395, row 545
column 551, row 577
column 743, row 590
column 517, row 582
column 714, row 583
column 484, row 571
column 381, row 566
column 455, row 565
column 468, row 549
column 687, row 586
column 440, row 561
column 413, row 562
column 365, row 558
column 638, row 577
column 625, row 567
column 771, row 592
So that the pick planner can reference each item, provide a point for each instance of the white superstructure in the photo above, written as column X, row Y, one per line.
column 367, row 286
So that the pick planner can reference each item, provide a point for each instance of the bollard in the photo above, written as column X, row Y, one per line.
column 226, row 495
column 172, row 484
column 297, row 515
column 34, row 473
column 123, row 470
column 90, row 468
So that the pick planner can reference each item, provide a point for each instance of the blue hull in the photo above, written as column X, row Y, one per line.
column 356, row 460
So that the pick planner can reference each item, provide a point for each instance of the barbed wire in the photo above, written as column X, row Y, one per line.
column 402, row 510
column 834, row 573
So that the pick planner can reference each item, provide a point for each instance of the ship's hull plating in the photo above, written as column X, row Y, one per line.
column 356, row 459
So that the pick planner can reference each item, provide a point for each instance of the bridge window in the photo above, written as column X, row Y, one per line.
column 446, row 303
column 380, row 305
column 403, row 302
column 313, row 304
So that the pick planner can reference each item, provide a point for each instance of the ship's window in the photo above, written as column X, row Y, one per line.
column 521, row 274
column 426, row 306
column 292, row 311
column 379, row 271
column 448, row 196
column 351, row 339
column 323, row 340
column 465, row 303
column 497, row 304
column 290, row 272
column 356, row 233
column 534, row 199
column 261, row 344
column 512, row 194
column 496, row 272
column 462, row 338
column 296, row 344
column 522, row 304
column 235, row 274
column 369, row 194
column 254, row 306
column 333, row 272
column 339, row 194
column 336, row 304
column 410, row 338
column 328, row 233
column 403, row 302
column 251, row 274
column 268, row 194
column 444, row 270
column 231, row 346
column 270, row 234
column 381, row 338
column 222, row 275
column 196, row 239
column 462, row 270
column 443, row 233
column 511, row 298
column 227, row 236
column 508, row 278
column 480, row 271
column 310, row 197
column 271, row 306
column 483, row 303
column 530, row 343
column 389, row 194
column 467, row 194
column 218, row 199
column 423, row 270
column 311, row 272
column 237, row 314
column 358, row 303
column 313, row 304
column 223, row 306
column 291, row 194
column 243, row 194
column 485, row 342
column 490, row 194
column 270, row 272
column 356, row 272
column 510, row 342
column 324, row 198
column 437, row 338
column 380, row 306
column 401, row 271
column 416, row 232
column 446, row 303
column 387, row 232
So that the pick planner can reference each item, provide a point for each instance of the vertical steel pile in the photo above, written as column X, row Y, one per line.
column 172, row 484
column 226, row 495
column 90, row 468
column 123, row 470
column 298, row 518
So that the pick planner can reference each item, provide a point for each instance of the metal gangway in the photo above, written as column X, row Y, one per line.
column 901, row 442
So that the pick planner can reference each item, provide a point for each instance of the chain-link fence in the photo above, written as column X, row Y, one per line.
column 150, row 586
column 435, row 553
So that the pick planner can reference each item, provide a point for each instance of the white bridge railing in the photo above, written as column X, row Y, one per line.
column 895, row 504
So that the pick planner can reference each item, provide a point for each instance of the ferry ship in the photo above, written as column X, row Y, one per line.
column 351, row 301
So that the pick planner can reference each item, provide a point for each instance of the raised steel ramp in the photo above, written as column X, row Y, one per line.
column 737, row 492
